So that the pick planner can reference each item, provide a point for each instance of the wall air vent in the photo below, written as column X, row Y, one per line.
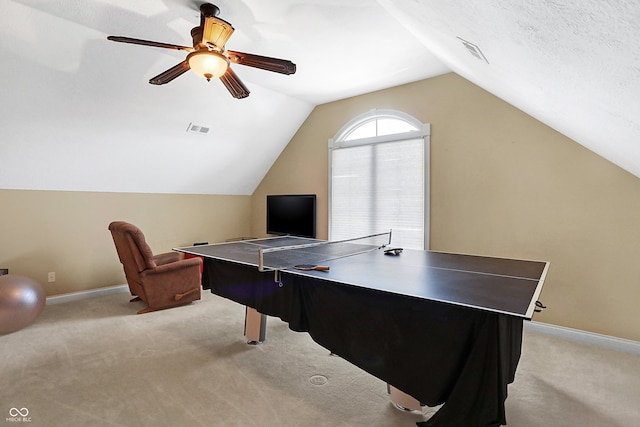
column 474, row 50
column 199, row 129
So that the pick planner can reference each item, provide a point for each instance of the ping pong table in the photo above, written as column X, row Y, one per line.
column 438, row 328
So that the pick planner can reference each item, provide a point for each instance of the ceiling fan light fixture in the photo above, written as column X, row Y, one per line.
column 208, row 64
column 208, row 57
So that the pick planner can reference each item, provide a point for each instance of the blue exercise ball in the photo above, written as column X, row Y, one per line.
column 21, row 301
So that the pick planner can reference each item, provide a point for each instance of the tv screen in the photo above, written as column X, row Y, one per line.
column 293, row 214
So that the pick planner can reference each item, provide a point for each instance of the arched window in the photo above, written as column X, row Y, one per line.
column 379, row 178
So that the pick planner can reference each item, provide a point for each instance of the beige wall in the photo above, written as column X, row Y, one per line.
column 502, row 184
column 66, row 232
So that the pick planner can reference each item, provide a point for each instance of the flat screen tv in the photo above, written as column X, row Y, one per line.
column 291, row 214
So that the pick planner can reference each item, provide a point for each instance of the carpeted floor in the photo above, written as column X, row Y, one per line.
column 95, row 362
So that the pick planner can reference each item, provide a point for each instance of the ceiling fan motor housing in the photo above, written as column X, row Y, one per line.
column 208, row 9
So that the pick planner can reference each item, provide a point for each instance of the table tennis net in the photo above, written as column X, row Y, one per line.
column 279, row 258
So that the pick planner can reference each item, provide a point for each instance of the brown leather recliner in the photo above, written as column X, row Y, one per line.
column 162, row 281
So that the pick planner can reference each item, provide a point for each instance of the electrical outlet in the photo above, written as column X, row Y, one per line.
column 51, row 277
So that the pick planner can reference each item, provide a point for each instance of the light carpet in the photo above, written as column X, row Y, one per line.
column 95, row 362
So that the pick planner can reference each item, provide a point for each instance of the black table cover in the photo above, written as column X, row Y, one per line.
column 435, row 352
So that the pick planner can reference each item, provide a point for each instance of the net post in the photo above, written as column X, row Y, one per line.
column 260, row 260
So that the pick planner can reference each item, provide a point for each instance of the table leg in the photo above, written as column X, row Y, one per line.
column 255, row 325
column 402, row 400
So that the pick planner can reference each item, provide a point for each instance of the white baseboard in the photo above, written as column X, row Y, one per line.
column 75, row 296
column 584, row 337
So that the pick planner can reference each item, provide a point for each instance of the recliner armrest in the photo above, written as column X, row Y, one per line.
column 166, row 258
column 178, row 265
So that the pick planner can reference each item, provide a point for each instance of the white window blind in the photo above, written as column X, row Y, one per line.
column 379, row 182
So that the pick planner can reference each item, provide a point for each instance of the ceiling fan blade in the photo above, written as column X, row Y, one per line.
column 149, row 43
column 170, row 74
column 276, row 65
column 234, row 85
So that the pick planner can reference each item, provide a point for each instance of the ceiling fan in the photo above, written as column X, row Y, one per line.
column 208, row 57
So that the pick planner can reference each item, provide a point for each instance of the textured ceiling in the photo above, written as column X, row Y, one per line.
column 572, row 64
column 78, row 113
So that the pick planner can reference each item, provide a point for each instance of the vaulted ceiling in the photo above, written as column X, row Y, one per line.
column 78, row 112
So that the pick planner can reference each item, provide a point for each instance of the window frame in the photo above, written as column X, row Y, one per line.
column 423, row 131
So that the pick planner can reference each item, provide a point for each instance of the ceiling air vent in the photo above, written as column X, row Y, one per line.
column 199, row 129
column 473, row 50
